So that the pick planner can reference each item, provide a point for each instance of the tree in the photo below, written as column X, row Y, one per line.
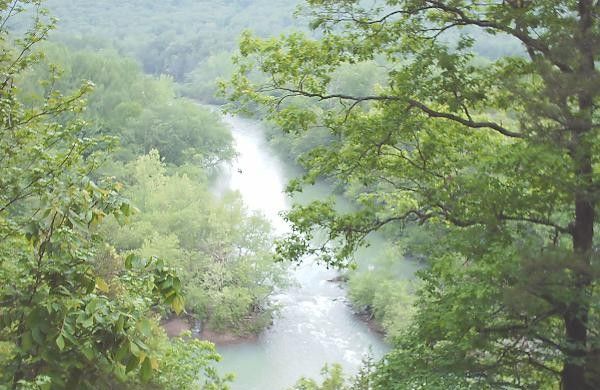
column 504, row 153
column 61, row 324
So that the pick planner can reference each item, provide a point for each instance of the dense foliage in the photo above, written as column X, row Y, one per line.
column 189, row 40
column 104, row 206
column 501, row 156
column 223, row 252
column 142, row 111
column 63, row 325
column 465, row 131
column 381, row 292
column 334, row 378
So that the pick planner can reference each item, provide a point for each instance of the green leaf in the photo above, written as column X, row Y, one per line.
column 132, row 364
column 134, row 349
column 129, row 261
column 145, row 327
column 88, row 352
column 60, row 342
column 146, row 370
column 38, row 336
column 26, row 341
column 102, row 285
column 122, row 352
column 178, row 305
column 120, row 323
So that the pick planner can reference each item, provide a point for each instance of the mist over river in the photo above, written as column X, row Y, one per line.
column 315, row 324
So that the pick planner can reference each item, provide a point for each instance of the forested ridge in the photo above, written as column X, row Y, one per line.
column 189, row 40
column 460, row 135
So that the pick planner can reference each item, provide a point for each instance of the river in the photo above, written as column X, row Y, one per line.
column 315, row 325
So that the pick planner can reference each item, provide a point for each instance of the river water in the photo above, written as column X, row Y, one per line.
column 315, row 325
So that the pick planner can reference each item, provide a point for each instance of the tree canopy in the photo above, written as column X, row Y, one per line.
column 74, row 311
column 502, row 153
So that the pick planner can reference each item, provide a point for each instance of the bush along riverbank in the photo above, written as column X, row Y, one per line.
column 223, row 251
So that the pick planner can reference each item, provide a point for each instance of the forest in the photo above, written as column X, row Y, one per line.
column 439, row 165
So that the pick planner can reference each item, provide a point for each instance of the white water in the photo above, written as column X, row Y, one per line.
column 316, row 325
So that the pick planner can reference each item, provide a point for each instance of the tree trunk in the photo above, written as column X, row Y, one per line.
column 577, row 313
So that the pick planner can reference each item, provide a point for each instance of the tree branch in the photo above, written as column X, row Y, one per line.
column 538, row 221
column 412, row 104
column 527, row 40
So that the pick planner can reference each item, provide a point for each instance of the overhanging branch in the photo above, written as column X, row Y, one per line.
column 412, row 104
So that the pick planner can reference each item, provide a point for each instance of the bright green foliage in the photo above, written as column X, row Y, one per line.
column 224, row 252
column 380, row 295
column 64, row 323
column 501, row 156
column 334, row 378
column 182, row 359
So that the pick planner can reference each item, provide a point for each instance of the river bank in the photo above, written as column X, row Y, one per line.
column 176, row 326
